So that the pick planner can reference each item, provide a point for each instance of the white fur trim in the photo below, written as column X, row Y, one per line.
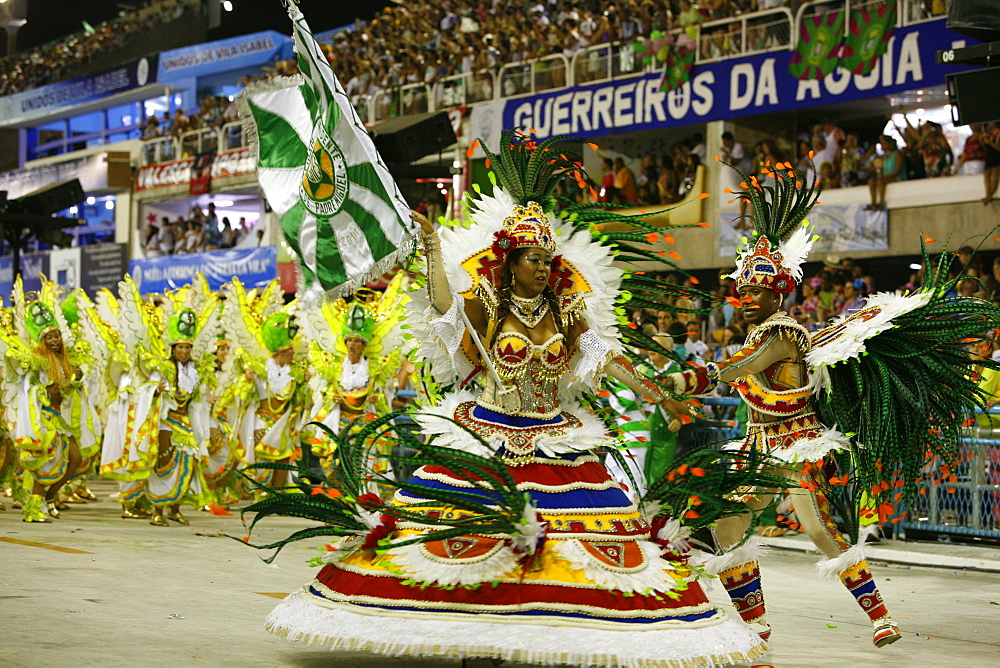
column 752, row 550
column 831, row 568
column 544, row 642
column 655, row 576
column 813, row 449
column 591, row 434
column 413, row 560
column 437, row 420
column 850, row 342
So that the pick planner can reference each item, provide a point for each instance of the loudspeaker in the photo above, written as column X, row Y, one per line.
column 406, row 139
column 975, row 18
column 51, row 199
column 973, row 95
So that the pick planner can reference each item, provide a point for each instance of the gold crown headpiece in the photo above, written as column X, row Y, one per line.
column 527, row 226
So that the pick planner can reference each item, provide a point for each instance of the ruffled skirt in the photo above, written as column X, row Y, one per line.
column 598, row 591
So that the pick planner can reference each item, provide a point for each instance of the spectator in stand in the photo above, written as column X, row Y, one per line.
column 991, row 161
column 734, row 152
column 151, row 127
column 167, row 236
column 854, row 296
column 608, row 180
column 804, row 163
column 181, row 123
column 666, row 181
column 697, row 348
column 212, row 232
column 625, row 182
column 833, row 139
column 887, row 168
column 852, row 162
column 697, row 145
column 828, row 176
column 227, row 238
column 935, row 151
column 973, row 157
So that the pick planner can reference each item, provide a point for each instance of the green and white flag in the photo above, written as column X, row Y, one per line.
column 339, row 207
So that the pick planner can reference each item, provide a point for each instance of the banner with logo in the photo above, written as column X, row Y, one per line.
column 256, row 267
column 40, row 102
column 224, row 55
column 868, row 36
column 178, row 172
column 733, row 88
column 840, row 229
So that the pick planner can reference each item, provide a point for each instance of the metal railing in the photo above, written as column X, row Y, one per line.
column 967, row 504
column 744, row 35
column 229, row 137
column 400, row 101
column 533, row 76
column 459, row 90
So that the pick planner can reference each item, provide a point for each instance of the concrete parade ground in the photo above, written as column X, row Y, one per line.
column 92, row 589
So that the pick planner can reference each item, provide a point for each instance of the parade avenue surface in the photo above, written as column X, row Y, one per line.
column 93, row 589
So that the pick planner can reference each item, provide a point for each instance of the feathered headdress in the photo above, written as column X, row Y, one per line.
column 279, row 331
column 782, row 236
column 182, row 327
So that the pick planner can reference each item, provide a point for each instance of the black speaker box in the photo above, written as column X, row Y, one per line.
column 975, row 18
column 973, row 94
column 52, row 199
column 406, row 139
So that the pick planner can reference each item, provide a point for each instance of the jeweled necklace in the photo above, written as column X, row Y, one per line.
column 529, row 311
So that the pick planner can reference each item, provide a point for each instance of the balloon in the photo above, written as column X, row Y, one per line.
column 661, row 55
column 656, row 34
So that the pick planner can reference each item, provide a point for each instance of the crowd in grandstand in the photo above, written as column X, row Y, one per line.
column 57, row 59
column 200, row 231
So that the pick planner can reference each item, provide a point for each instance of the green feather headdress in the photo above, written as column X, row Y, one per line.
column 782, row 236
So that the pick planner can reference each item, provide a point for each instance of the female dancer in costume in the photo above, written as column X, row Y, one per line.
column 55, row 426
column 185, row 410
column 524, row 302
column 268, row 396
column 354, row 356
column 218, row 476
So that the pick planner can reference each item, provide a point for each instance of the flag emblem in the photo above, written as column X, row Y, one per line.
column 324, row 185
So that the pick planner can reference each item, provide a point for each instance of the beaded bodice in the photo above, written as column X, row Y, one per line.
column 531, row 370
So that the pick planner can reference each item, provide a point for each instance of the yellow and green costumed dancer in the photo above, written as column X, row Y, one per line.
column 54, row 426
column 270, row 391
column 354, row 356
column 185, row 410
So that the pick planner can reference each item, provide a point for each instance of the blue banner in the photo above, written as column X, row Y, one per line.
column 43, row 101
column 224, row 55
column 33, row 266
column 729, row 89
column 256, row 267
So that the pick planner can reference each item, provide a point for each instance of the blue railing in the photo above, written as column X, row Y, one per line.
column 969, row 506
